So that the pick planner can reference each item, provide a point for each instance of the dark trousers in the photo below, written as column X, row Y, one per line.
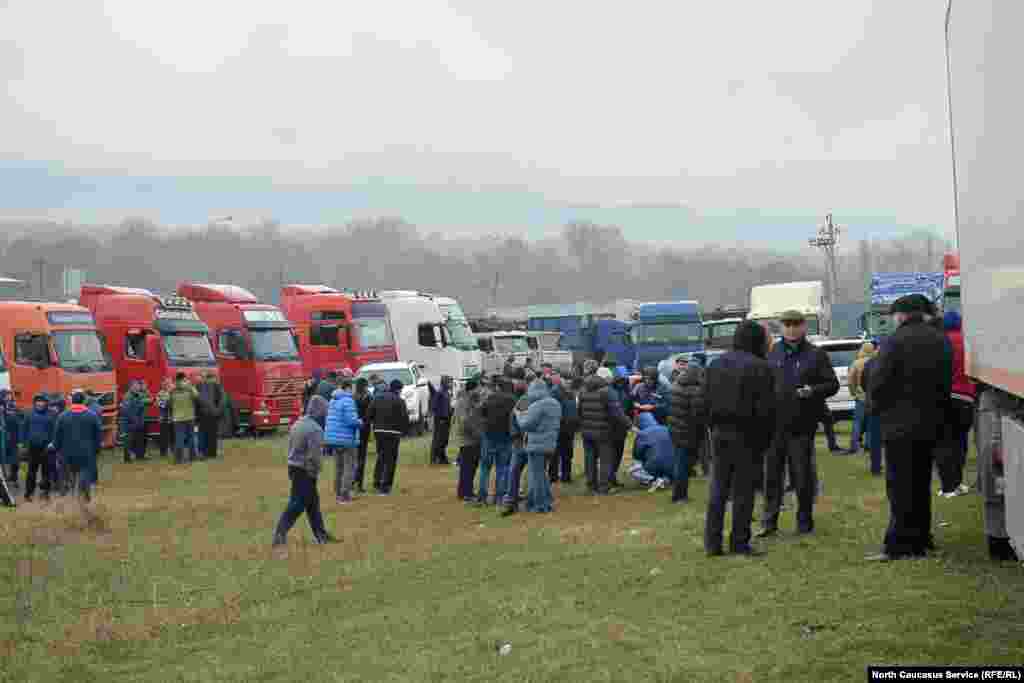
column 387, row 461
column 184, row 437
column 874, row 431
column 135, row 444
column 39, row 458
column 733, row 470
column 560, row 464
column 681, row 475
column 166, row 438
column 439, row 443
column 599, row 465
column 515, row 476
column 618, row 452
column 469, row 460
column 796, row 451
column 829, row 423
column 951, row 455
column 364, row 444
column 304, row 498
column 209, row 429
column 908, row 479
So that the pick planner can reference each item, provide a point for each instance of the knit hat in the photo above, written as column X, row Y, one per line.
column 604, row 373
column 911, row 304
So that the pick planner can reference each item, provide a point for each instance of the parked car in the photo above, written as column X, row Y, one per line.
column 415, row 391
column 842, row 353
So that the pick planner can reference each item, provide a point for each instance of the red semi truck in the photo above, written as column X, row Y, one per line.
column 149, row 338
column 337, row 330
column 256, row 352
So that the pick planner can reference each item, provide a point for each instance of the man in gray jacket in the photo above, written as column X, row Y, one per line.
column 305, row 451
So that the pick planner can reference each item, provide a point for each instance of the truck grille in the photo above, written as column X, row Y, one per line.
column 280, row 388
column 288, row 406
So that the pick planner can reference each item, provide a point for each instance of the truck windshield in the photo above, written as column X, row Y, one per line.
column 403, row 375
column 510, row 344
column 189, row 350
column 667, row 333
column 273, row 344
column 80, row 351
column 372, row 333
column 459, row 332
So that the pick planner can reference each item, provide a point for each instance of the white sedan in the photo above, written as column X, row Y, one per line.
column 415, row 391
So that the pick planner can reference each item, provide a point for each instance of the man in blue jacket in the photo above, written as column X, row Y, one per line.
column 77, row 436
column 654, row 454
column 37, row 434
column 441, row 409
column 342, row 435
column 540, row 423
column 10, row 430
column 804, row 378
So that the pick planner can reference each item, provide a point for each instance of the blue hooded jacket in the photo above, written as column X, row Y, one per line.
column 343, row 423
column 542, row 419
column 653, row 447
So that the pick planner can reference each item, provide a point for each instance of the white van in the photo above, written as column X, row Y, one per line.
column 421, row 336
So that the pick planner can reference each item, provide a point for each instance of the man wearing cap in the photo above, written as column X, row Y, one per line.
column 390, row 420
column 910, row 391
column 804, row 378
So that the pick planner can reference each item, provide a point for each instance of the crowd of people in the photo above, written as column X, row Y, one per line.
column 748, row 419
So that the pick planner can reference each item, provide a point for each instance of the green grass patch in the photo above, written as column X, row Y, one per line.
column 170, row 577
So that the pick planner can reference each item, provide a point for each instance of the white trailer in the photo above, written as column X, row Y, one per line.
column 768, row 302
column 983, row 56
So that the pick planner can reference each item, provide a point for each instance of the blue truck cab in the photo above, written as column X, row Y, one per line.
column 662, row 329
column 588, row 334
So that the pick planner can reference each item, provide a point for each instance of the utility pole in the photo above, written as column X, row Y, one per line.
column 828, row 237
column 494, row 288
column 40, row 265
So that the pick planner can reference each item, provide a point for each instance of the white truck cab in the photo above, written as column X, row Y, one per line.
column 768, row 302
column 462, row 338
column 421, row 336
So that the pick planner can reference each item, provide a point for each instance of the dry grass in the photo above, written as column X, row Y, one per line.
column 169, row 576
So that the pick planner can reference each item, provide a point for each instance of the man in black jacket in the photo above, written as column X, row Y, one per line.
column 601, row 419
column 740, row 390
column 390, row 420
column 687, row 423
column 910, row 389
column 363, row 401
column 804, row 378
column 496, row 441
column 211, row 407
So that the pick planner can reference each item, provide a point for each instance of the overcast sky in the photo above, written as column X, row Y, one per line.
column 477, row 114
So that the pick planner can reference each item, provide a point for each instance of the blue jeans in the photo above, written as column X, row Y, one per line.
column 681, row 476
column 184, row 437
column 496, row 454
column 304, row 498
column 539, row 498
column 515, row 474
column 858, row 425
column 874, row 429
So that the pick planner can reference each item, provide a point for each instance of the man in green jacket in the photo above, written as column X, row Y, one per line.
column 183, row 417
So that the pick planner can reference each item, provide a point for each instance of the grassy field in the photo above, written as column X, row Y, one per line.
column 172, row 578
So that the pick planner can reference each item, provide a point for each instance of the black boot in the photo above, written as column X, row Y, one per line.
column 679, row 493
column 1000, row 550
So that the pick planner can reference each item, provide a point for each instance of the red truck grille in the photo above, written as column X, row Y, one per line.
column 282, row 387
column 288, row 405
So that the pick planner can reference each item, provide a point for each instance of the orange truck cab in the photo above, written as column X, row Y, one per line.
column 337, row 330
column 150, row 338
column 256, row 351
column 53, row 349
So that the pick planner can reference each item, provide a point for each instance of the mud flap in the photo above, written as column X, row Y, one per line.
column 1013, row 471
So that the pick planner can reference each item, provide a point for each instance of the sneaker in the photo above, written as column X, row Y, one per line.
column 657, row 485
column 962, row 490
column 341, row 500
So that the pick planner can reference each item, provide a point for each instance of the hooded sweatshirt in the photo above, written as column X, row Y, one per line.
column 853, row 379
column 963, row 388
column 306, row 438
column 37, row 429
column 541, row 420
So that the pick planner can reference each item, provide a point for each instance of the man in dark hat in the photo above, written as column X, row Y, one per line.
column 910, row 390
column 390, row 419
column 804, row 379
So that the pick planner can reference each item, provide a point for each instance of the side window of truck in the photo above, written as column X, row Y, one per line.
column 531, row 343
column 31, row 349
column 135, row 346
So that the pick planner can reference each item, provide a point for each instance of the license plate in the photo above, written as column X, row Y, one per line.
column 285, row 420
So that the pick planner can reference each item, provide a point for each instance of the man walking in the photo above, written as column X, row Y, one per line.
column 441, row 409
column 740, row 390
column 804, row 379
column 342, row 436
column 601, row 420
column 910, row 386
column 390, row 420
column 77, row 436
column 305, row 452
column 211, row 408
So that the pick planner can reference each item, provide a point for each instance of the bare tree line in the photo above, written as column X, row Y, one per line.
column 587, row 262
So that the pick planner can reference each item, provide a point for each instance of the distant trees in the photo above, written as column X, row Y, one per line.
column 585, row 262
